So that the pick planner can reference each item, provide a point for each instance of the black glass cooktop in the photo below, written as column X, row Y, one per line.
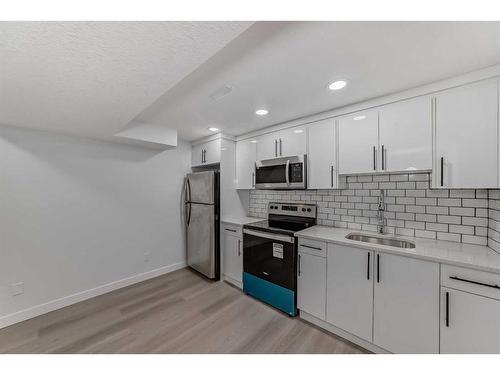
column 288, row 226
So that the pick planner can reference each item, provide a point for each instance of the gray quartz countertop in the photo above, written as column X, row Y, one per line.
column 453, row 253
column 241, row 220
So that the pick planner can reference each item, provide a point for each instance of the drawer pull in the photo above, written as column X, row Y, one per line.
column 231, row 230
column 475, row 282
column 312, row 247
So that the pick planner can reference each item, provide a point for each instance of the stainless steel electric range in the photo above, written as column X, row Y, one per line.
column 270, row 254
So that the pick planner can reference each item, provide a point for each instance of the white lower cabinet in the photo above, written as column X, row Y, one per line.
column 311, row 284
column 383, row 301
column 406, row 304
column 232, row 255
column 469, row 323
column 350, row 290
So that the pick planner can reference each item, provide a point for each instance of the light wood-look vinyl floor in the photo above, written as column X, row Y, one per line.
column 181, row 312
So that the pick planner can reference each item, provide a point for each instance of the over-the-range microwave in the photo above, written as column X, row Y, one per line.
column 282, row 173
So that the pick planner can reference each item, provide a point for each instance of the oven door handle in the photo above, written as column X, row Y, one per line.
column 270, row 236
column 287, row 172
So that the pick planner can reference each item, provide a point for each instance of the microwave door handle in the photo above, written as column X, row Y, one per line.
column 287, row 171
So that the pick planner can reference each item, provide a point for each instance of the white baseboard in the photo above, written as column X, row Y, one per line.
column 46, row 307
column 339, row 332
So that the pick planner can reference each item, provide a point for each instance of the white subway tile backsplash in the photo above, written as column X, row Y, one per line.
column 462, row 211
column 460, row 193
column 449, row 219
column 482, row 203
column 449, row 202
column 426, row 201
column 449, row 237
column 463, row 229
column 412, row 208
column 381, row 177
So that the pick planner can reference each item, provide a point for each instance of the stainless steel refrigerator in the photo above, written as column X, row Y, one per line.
column 201, row 198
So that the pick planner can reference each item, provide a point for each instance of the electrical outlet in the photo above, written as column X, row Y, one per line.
column 147, row 256
column 17, row 288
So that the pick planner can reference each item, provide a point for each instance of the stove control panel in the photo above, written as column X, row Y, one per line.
column 292, row 209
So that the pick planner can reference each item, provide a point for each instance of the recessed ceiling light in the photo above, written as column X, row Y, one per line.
column 262, row 112
column 357, row 118
column 253, row 141
column 337, row 85
column 213, row 129
column 298, row 131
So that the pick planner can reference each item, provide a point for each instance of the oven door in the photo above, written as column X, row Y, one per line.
column 281, row 173
column 271, row 257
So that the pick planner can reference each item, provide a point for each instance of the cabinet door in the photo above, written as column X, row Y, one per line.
column 212, row 151
column 233, row 257
column 322, row 169
column 311, row 285
column 197, row 154
column 292, row 142
column 267, row 146
column 246, row 153
column 406, row 305
column 350, row 290
column 466, row 137
column 473, row 323
column 358, row 143
column 406, row 135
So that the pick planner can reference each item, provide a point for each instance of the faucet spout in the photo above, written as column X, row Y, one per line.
column 381, row 209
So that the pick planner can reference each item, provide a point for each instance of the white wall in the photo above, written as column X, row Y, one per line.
column 78, row 214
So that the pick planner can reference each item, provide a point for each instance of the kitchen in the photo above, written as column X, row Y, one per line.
column 228, row 214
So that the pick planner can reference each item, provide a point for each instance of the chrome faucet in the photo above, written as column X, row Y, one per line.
column 381, row 209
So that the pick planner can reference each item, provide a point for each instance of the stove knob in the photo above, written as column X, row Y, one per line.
column 308, row 210
column 303, row 209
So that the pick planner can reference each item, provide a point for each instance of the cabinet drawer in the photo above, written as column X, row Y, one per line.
column 312, row 247
column 232, row 230
column 472, row 281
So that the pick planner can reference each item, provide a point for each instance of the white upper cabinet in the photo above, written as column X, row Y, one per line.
column 466, row 137
column 350, row 289
column 197, row 154
column 288, row 142
column 406, row 135
column 267, row 146
column 293, row 141
column 358, row 143
column 246, row 155
column 206, row 153
column 212, row 151
column 406, row 305
column 322, row 168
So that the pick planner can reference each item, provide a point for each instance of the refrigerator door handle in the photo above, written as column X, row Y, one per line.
column 188, row 191
column 189, row 214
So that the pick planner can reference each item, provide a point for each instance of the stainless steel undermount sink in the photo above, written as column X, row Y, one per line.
column 380, row 240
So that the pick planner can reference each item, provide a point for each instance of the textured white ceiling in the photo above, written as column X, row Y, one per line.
column 92, row 78
column 286, row 68
column 98, row 78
